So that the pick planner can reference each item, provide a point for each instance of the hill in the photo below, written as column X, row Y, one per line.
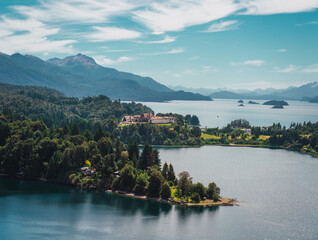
column 308, row 90
column 55, row 109
column 314, row 99
column 80, row 75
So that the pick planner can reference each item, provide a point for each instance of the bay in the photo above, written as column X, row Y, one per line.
column 277, row 190
column 220, row 112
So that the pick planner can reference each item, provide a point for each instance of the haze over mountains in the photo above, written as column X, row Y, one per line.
column 81, row 76
column 304, row 92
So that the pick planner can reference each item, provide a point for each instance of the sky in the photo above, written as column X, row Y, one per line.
column 235, row 44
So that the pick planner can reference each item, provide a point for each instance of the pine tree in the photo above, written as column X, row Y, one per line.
column 165, row 171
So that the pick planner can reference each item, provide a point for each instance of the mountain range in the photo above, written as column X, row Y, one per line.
column 304, row 92
column 80, row 76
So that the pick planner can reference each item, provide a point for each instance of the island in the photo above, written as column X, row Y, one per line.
column 276, row 102
column 241, row 105
column 278, row 107
column 240, row 101
column 251, row 102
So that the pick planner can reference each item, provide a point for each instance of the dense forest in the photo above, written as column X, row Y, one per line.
column 93, row 114
column 300, row 137
column 31, row 150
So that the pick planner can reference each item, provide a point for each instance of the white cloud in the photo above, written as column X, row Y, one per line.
column 290, row 68
column 254, row 63
column 92, row 11
column 311, row 69
column 167, row 39
column 222, row 26
column 31, row 36
column 112, row 34
column 209, row 69
column 173, row 51
column 175, row 15
column 267, row 7
column 107, row 61
column 281, row 50
column 308, row 23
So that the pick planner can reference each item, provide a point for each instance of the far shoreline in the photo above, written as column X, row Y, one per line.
column 315, row 155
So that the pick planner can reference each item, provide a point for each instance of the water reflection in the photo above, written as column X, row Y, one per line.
column 49, row 194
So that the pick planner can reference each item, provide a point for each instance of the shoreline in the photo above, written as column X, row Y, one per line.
column 205, row 203
column 315, row 155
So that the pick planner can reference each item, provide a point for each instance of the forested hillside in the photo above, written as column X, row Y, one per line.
column 51, row 106
column 92, row 114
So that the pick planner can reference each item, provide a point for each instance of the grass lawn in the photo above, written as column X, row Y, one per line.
column 263, row 137
column 206, row 136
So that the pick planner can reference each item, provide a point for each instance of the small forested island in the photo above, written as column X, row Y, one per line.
column 241, row 105
column 240, row 101
column 276, row 103
column 252, row 102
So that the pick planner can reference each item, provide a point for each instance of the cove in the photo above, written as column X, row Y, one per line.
column 277, row 189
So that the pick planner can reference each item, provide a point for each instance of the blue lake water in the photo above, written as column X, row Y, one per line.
column 277, row 188
column 220, row 112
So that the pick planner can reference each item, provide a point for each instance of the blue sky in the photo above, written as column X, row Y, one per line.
column 203, row 43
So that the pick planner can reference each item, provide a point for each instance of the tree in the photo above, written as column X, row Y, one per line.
column 199, row 188
column 53, row 166
column 105, row 146
column 187, row 118
column 133, row 152
column 184, row 182
column 165, row 171
column 145, row 157
column 99, row 134
column 213, row 191
column 155, row 182
column 195, row 197
column 165, row 191
column 157, row 160
column 74, row 129
column 171, row 175
column 141, row 184
column 127, row 178
column 4, row 132
column 195, row 120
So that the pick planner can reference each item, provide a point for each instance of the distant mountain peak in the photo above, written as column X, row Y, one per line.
column 78, row 59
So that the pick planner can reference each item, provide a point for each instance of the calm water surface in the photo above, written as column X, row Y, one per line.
column 278, row 190
column 220, row 112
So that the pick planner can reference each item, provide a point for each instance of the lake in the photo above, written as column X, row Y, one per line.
column 277, row 188
column 220, row 112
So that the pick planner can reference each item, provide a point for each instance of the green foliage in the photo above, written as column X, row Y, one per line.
column 165, row 171
column 196, row 197
column 141, row 184
column 127, row 178
column 198, row 188
column 165, row 191
column 213, row 191
column 155, row 182
column 184, row 182
column 56, row 110
column 171, row 175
